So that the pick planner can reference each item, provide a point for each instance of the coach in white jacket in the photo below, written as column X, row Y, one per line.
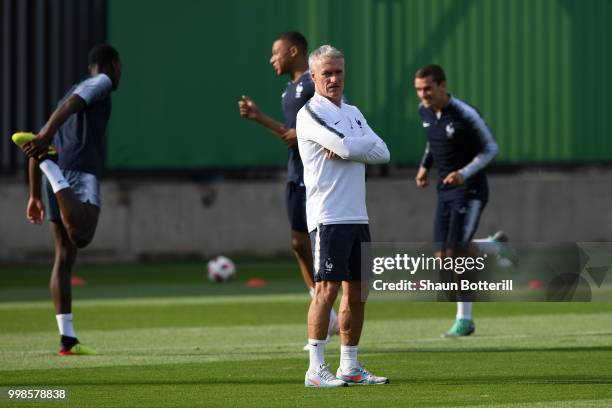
column 335, row 143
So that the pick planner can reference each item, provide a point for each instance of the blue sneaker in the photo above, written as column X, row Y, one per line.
column 322, row 378
column 359, row 375
column 461, row 327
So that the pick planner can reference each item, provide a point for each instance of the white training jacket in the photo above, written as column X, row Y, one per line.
column 335, row 188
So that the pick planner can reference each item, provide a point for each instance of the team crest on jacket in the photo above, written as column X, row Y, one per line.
column 450, row 130
column 298, row 90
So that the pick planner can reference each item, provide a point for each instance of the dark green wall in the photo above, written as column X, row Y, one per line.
column 538, row 70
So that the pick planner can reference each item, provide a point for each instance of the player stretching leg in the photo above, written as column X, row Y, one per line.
column 335, row 141
column 71, row 189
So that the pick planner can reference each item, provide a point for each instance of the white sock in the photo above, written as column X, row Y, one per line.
column 348, row 357
column 464, row 310
column 64, row 323
column 317, row 353
column 54, row 175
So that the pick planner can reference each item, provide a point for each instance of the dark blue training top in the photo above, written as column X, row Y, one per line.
column 459, row 140
column 295, row 96
column 81, row 138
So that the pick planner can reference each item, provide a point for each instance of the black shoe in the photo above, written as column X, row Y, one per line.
column 66, row 343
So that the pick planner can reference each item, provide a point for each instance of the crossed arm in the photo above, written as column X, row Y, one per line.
column 368, row 148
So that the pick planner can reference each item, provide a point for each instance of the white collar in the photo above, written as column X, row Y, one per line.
column 324, row 100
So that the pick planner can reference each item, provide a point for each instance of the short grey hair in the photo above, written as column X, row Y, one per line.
column 324, row 52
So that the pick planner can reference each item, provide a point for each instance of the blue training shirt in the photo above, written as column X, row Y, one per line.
column 295, row 96
column 459, row 140
column 81, row 138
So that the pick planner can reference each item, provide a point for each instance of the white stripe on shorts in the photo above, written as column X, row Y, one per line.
column 317, row 251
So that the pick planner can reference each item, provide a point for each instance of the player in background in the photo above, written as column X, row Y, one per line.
column 289, row 57
column 460, row 145
column 71, row 187
column 335, row 143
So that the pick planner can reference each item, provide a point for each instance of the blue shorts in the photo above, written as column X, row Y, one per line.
column 295, row 200
column 85, row 186
column 337, row 251
column 456, row 219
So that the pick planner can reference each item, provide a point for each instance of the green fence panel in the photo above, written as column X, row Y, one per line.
column 538, row 70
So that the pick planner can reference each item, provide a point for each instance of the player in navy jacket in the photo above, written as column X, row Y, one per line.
column 460, row 145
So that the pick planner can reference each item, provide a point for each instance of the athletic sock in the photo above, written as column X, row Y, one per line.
column 64, row 323
column 464, row 310
column 54, row 175
column 317, row 353
column 348, row 357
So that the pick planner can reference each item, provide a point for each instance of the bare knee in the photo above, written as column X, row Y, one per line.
column 300, row 243
column 82, row 242
column 295, row 244
column 79, row 237
column 351, row 297
column 81, row 230
column 326, row 293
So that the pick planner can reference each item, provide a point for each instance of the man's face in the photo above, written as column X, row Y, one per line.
column 432, row 94
column 328, row 77
column 282, row 56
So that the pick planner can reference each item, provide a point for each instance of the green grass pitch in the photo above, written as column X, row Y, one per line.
column 168, row 338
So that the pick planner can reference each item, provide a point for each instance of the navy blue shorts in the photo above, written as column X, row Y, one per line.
column 295, row 200
column 456, row 219
column 337, row 251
